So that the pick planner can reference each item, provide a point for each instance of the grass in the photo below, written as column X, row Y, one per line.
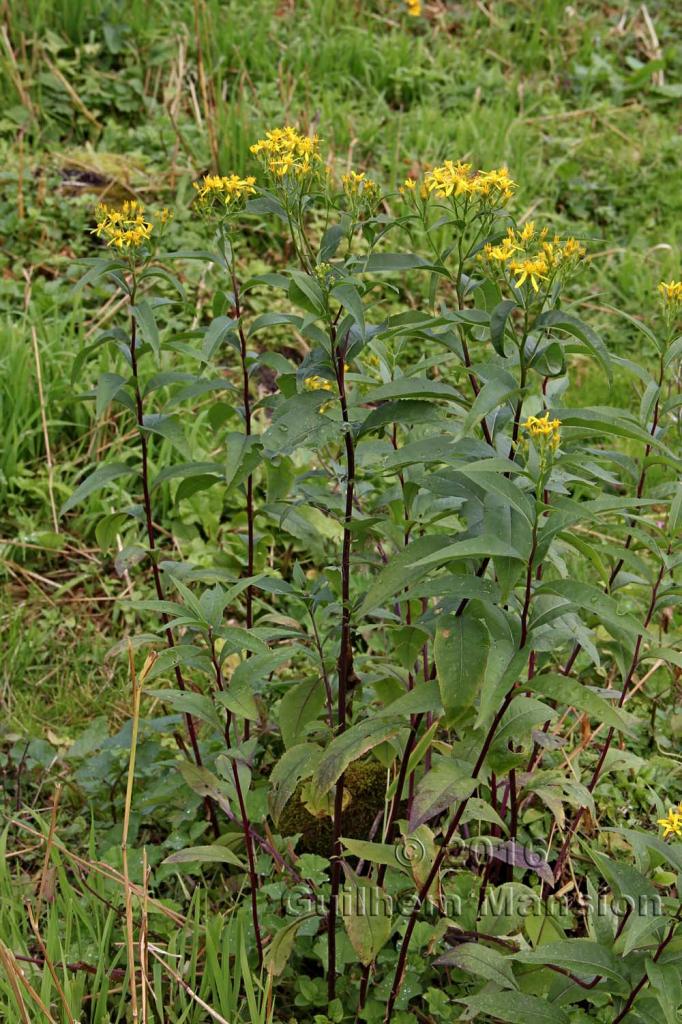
column 138, row 99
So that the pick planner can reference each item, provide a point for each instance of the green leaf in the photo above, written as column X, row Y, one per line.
column 349, row 297
column 188, row 470
column 216, row 332
column 392, row 263
column 216, row 854
column 423, row 698
column 189, row 703
column 278, row 952
column 571, row 693
column 474, row 547
column 168, row 427
column 493, row 394
column 580, row 956
column 442, row 787
column 400, row 571
column 412, row 387
column 146, row 321
column 516, row 1008
column 675, row 517
column 298, row 423
column 98, row 267
column 239, row 701
column 296, row 764
column 593, row 599
column 305, row 292
column 366, row 916
column 665, row 983
column 604, row 420
column 498, row 324
column 484, row 962
column 347, row 747
column 520, row 718
column 555, row 319
column 374, row 853
column 299, row 705
column 461, row 652
column 108, row 387
column 97, row 480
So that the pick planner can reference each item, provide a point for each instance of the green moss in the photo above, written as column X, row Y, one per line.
column 365, row 782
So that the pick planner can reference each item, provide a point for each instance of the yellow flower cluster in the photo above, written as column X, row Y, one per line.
column 458, row 179
column 671, row 292
column 285, row 151
column 362, row 193
column 414, row 8
column 318, row 384
column 542, row 428
column 531, row 257
column 359, row 187
column 126, row 227
column 672, row 825
column 223, row 191
column 410, row 186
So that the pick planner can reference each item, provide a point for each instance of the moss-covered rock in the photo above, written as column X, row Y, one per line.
column 365, row 785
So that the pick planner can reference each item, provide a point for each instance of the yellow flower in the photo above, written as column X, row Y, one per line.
column 229, row 192
column 531, row 258
column 124, row 228
column 458, row 179
column 542, row 428
column 285, row 151
column 361, row 190
column 505, row 250
column 414, row 8
column 671, row 292
column 672, row 825
column 533, row 270
column 318, row 384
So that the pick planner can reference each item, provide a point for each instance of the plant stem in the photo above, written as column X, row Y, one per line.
column 246, row 397
column 440, row 857
column 246, row 825
column 151, row 540
column 345, row 662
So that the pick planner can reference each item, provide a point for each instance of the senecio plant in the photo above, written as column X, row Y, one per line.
column 398, row 665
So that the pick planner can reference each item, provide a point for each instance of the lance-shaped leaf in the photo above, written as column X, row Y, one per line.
column 400, row 571
column 519, row 856
column 349, row 297
column 98, row 479
column 571, row 693
column 216, row 332
column 347, row 747
column 445, row 785
column 215, row 854
column 461, row 653
column 498, row 324
column 146, row 322
column 580, row 956
column 293, row 766
column 278, row 952
column 169, row 428
column 516, row 1008
column 189, row 703
column 558, row 320
column 366, row 912
column 301, row 704
column 484, row 962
